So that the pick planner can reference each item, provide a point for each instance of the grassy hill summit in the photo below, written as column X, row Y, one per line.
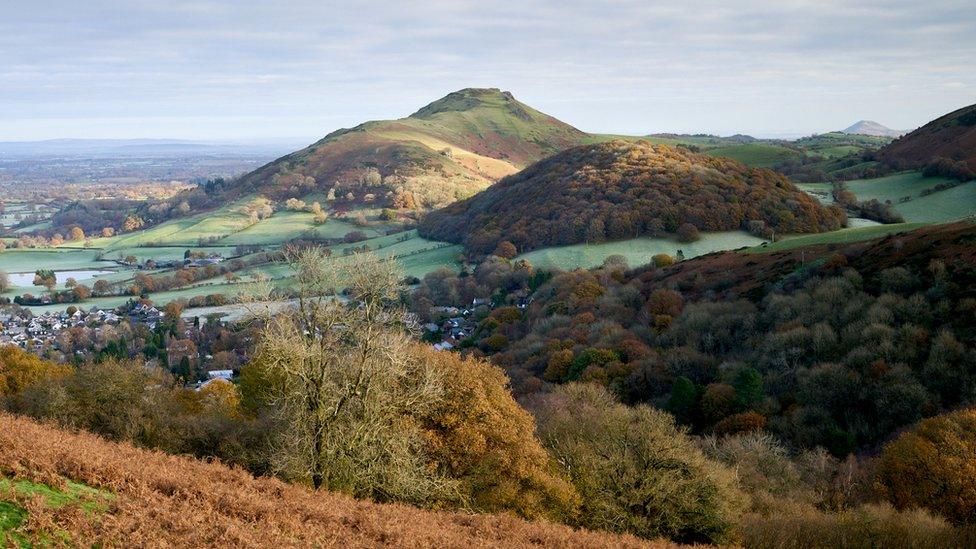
column 948, row 139
column 624, row 189
column 872, row 128
column 446, row 151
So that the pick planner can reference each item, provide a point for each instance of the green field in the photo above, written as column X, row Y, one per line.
column 938, row 207
column 893, row 187
column 637, row 251
column 166, row 253
column 29, row 260
column 843, row 236
column 417, row 256
column 283, row 226
column 949, row 205
column 761, row 155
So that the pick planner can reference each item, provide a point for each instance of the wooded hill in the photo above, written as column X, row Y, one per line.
column 951, row 137
column 448, row 150
column 622, row 189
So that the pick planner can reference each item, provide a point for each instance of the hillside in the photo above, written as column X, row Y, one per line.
column 84, row 491
column 951, row 137
column 870, row 127
column 448, row 150
column 618, row 190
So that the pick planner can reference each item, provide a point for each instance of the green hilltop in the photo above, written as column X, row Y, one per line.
column 447, row 150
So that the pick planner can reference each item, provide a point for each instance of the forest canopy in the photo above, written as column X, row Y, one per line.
column 620, row 190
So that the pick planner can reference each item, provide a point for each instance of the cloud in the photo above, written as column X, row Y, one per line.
column 761, row 66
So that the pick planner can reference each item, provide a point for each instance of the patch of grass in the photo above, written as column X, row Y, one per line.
column 637, row 251
column 938, row 207
column 843, row 236
column 948, row 205
column 893, row 187
column 283, row 226
column 25, row 261
column 13, row 516
column 762, row 155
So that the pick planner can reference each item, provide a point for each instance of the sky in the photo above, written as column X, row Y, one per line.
column 255, row 69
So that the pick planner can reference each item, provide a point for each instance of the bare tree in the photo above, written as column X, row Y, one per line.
column 345, row 384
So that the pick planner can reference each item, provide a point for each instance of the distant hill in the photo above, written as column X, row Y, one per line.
column 951, row 137
column 624, row 189
column 140, row 148
column 448, row 150
column 870, row 127
column 90, row 492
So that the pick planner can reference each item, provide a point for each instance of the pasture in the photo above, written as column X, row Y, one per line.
column 937, row 207
column 29, row 260
column 843, row 236
column 759, row 155
column 637, row 251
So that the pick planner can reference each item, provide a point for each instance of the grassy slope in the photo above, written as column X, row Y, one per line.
column 417, row 256
column 844, row 236
column 162, row 500
column 637, row 251
column 448, row 150
column 25, row 261
column 938, row 207
column 760, row 155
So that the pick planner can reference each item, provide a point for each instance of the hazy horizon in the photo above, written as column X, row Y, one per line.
column 214, row 70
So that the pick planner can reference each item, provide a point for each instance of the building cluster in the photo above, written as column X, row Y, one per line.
column 450, row 325
column 21, row 328
column 25, row 330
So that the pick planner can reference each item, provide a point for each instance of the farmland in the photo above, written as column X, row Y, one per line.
column 844, row 236
column 761, row 155
column 937, row 207
column 637, row 251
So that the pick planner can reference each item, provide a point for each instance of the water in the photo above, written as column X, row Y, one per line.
column 27, row 279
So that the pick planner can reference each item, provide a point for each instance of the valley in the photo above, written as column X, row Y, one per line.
column 625, row 290
column 369, row 217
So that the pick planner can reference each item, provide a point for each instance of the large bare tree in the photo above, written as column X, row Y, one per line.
column 346, row 384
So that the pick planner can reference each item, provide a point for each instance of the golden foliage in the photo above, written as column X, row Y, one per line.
column 933, row 466
column 478, row 433
column 20, row 369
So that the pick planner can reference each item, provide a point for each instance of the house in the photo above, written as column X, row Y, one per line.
column 220, row 374
column 444, row 311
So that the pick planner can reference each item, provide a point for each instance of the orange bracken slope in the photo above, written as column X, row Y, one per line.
column 169, row 501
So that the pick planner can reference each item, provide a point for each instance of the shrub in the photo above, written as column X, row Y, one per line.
column 478, row 433
column 20, row 369
column 505, row 249
column 354, row 236
column 662, row 260
column 866, row 526
column 688, row 233
column 745, row 422
column 932, row 466
column 635, row 470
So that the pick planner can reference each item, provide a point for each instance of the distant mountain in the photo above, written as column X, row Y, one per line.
column 446, row 151
column 623, row 189
column 143, row 148
column 869, row 127
column 951, row 137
